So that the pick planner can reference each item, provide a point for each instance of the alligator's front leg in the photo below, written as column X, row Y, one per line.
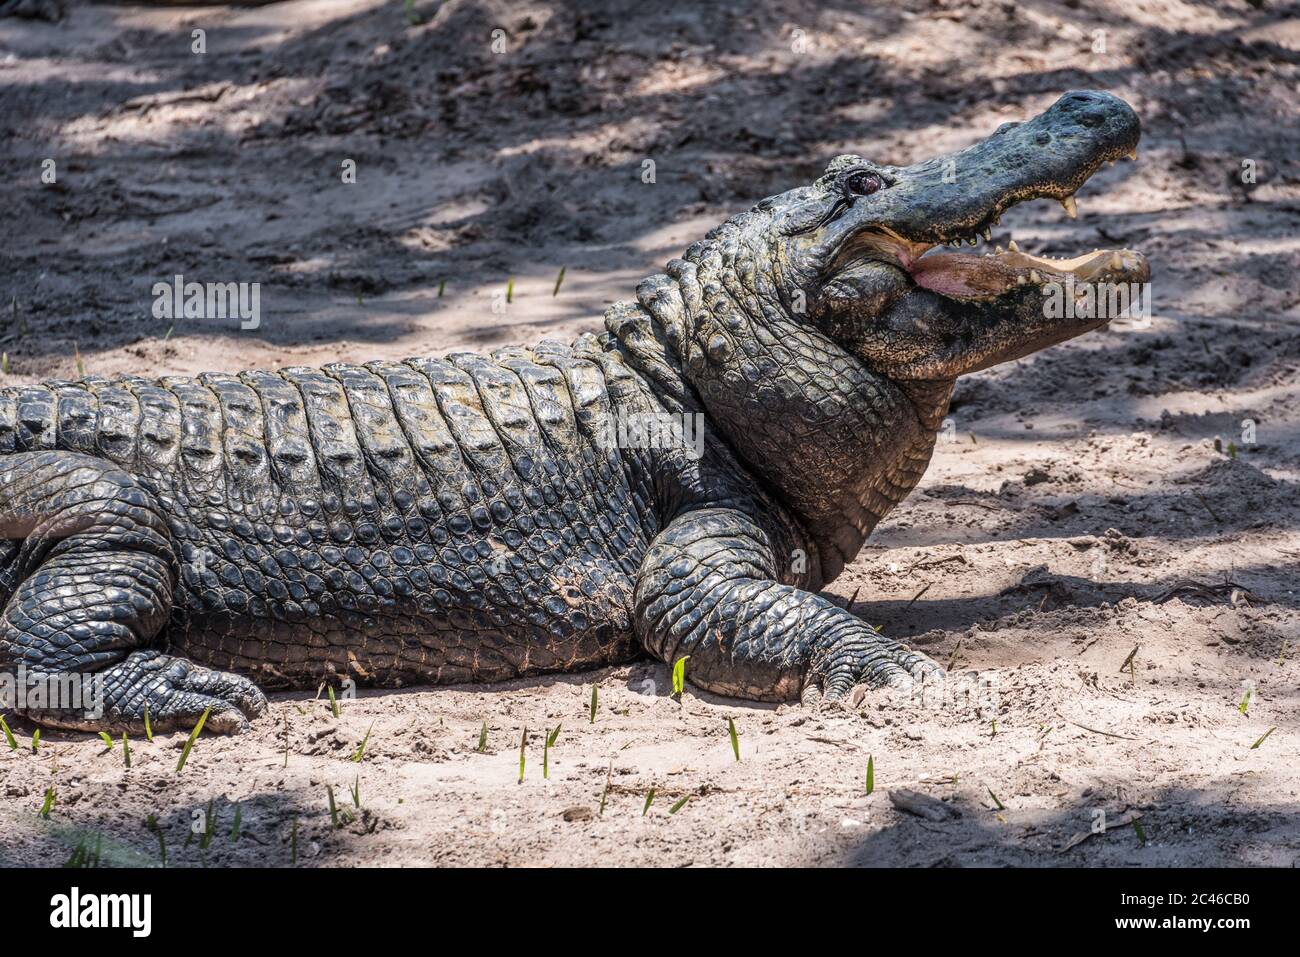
column 707, row 589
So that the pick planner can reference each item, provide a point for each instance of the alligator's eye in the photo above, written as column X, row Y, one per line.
column 863, row 184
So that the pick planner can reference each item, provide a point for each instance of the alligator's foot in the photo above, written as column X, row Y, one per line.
column 864, row 657
column 86, row 583
column 174, row 691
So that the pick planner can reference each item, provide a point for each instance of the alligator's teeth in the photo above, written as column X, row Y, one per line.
column 1133, row 153
column 998, row 250
column 1116, row 261
column 1071, row 207
column 1020, row 280
column 988, row 234
column 973, row 241
column 1033, row 275
column 1012, row 247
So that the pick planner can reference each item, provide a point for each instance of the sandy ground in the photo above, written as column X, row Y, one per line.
column 1105, row 548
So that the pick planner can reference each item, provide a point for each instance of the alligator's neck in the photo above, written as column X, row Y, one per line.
column 839, row 445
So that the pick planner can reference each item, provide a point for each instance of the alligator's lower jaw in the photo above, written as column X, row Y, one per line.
column 966, row 276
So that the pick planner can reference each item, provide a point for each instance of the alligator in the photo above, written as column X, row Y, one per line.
column 681, row 485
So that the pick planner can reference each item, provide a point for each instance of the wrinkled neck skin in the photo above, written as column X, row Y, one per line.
column 838, row 445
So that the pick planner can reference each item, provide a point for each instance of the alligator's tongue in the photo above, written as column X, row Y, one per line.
column 962, row 275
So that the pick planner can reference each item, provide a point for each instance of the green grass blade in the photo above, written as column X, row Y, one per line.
column 107, row 739
column 148, row 728
column 9, row 735
column 185, row 752
column 995, row 800
column 649, row 799
column 546, row 750
column 126, row 750
column 1263, row 738
column 558, row 279
column 50, row 801
column 679, row 805
column 523, row 740
column 735, row 739
column 595, row 690
column 871, row 773
column 361, row 751
column 679, row 674
column 482, row 739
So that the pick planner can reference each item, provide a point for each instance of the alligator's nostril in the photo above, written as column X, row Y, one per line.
column 1004, row 127
column 1092, row 118
column 1042, row 139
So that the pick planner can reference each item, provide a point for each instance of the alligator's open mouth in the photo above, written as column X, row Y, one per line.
column 958, row 198
column 971, row 276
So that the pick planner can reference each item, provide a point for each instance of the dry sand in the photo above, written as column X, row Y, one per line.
column 1098, row 504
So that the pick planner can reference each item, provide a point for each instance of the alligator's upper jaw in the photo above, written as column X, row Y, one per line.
column 959, row 197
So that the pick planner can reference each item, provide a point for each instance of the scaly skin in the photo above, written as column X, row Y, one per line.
column 467, row 518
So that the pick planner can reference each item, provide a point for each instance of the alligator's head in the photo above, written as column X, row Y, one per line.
column 860, row 250
column 858, row 254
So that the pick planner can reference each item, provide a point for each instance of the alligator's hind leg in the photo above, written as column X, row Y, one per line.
column 87, row 582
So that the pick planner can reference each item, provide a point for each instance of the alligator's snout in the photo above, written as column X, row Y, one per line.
column 960, row 196
column 1082, row 110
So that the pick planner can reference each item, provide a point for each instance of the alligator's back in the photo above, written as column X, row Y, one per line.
column 424, row 520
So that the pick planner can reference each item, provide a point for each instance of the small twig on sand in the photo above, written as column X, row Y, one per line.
column 971, row 501
column 922, row 805
column 848, row 605
column 1214, row 515
column 917, row 595
column 1108, row 734
column 938, row 561
column 1125, row 819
